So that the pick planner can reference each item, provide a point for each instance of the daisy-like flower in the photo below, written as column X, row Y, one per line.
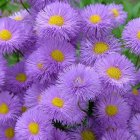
column 10, row 107
column 119, row 15
column 89, row 132
column 80, row 81
column 12, row 35
column 116, row 72
column 38, row 69
column 97, row 20
column 7, row 131
column 53, row 21
column 94, row 48
column 131, row 36
column 119, row 134
column 112, row 111
column 33, row 125
column 19, row 16
column 33, row 96
column 61, row 106
column 54, row 57
column 17, row 80
column 135, row 125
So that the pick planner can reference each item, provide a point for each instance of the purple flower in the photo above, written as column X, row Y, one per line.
column 89, row 132
column 118, row 14
column 7, row 131
column 10, row 107
column 119, row 134
column 32, row 125
column 116, row 72
column 131, row 36
column 54, row 21
column 12, row 35
column 112, row 111
column 45, row 63
column 97, row 20
column 61, row 106
column 33, row 96
column 80, row 81
column 135, row 125
column 94, row 48
column 19, row 16
column 16, row 78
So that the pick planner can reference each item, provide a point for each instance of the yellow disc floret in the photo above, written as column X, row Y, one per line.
column 58, row 102
column 18, row 18
column 138, row 35
column 33, row 128
column 88, row 135
column 5, row 35
column 9, row 133
column 115, row 12
column 100, row 48
column 4, row 109
column 135, row 91
column 56, row 20
column 58, row 55
column 114, row 73
column 111, row 110
column 95, row 19
column 21, row 77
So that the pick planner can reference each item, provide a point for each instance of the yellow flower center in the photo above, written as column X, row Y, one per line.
column 95, row 19
column 138, row 35
column 88, row 135
column 115, row 12
column 39, row 98
column 111, row 110
column 57, row 55
column 40, row 66
column 5, row 35
column 21, row 77
column 9, row 133
column 33, row 128
column 135, row 91
column 56, row 20
column 18, row 18
column 4, row 109
column 114, row 73
column 24, row 109
column 100, row 48
column 58, row 102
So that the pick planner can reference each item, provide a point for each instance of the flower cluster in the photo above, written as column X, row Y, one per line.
column 71, row 80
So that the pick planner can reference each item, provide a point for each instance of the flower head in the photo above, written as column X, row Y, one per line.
column 10, row 107
column 16, row 79
column 131, row 36
column 119, row 15
column 112, row 111
column 80, row 81
column 33, row 124
column 7, row 130
column 116, row 72
column 54, row 20
column 97, row 20
column 12, row 35
column 94, row 48
column 61, row 106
